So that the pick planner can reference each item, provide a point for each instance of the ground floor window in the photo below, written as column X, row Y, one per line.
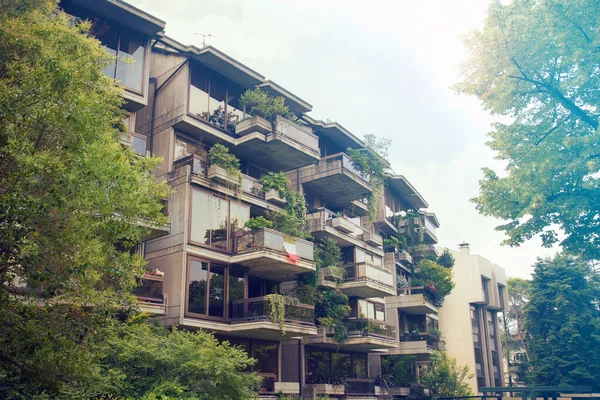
column 328, row 366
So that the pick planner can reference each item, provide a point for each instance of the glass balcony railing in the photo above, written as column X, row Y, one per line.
column 368, row 272
column 150, row 289
column 370, row 327
column 258, row 308
column 213, row 111
column 347, row 164
column 296, row 132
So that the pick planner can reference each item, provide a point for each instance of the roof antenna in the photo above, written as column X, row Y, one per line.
column 204, row 36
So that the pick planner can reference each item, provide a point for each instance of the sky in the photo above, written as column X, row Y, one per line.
column 385, row 68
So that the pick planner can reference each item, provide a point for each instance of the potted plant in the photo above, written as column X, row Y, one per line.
column 224, row 166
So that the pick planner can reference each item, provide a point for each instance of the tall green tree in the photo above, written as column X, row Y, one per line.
column 73, row 203
column 535, row 63
column 562, row 321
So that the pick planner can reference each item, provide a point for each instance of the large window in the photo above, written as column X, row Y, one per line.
column 208, row 294
column 214, row 219
column 324, row 364
column 127, row 48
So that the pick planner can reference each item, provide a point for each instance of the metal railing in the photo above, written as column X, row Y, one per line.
column 370, row 328
column 258, row 309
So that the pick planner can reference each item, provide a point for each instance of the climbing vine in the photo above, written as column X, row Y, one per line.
column 293, row 221
column 277, row 309
column 371, row 162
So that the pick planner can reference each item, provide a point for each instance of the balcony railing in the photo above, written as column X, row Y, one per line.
column 368, row 272
column 370, row 328
column 270, row 239
column 429, row 294
column 199, row 167
column 150, row 289
column 431, row 340
column 348, row 165
column 258, row 309
column 322, row 215
column 298, row 133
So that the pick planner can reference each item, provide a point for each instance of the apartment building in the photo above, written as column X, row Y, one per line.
column 469, row 318
column 207, row 271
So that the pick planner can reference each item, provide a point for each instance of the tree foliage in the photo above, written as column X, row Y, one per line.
column 535, row 63
column 262, row 104
column 444, row 377
column 432, row 274
column 562, row 321
column 73, row 203
column 446, row 260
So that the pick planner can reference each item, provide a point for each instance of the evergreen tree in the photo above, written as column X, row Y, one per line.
column 562, row 321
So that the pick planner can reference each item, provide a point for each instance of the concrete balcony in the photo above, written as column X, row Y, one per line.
column 325, row 223
column 251, row 317
column 221, row 175
column 422, row 223
column 366, row 280
column 150, row 295
column 414, row 300
column 273, row 196
column 281, row 146
column 384, row 221
column 363, row 335
column 417, row 343
column 330, row 276
column 287, row 387
column 336, row 179
column 372, row 238
column 251, row 190
column 268, row 253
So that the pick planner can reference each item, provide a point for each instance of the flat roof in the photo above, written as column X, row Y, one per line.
column 407, row 191
column 124, row 14
column 220, row 62
column 335, row 132
column 295, row 103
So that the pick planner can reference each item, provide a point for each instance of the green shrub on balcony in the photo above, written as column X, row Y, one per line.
column 257, row 223
column 293, row 221
column 261, row 104
column 275, row 180
column 433, row 275
column 219, row 155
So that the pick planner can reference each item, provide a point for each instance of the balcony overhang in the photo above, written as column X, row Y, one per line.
column 283, row 147
column 414, row 304
column 125, row 14
column 272, row 264
column 335, row 182
column 357, row 343
column 335, row 132
column 294, row 103
column 266, row 330
column 418, row 347
column 407, row 191
column 366, row 288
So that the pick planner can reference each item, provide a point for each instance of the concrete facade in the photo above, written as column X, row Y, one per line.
column 469, row 321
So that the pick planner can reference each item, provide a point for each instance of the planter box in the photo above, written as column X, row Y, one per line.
column 342, row 225
column 253, row 124
column 221, row 175
column 325, row 388
column 372, row 238
column 273, row 196
column 287, row 387
column 400, row 391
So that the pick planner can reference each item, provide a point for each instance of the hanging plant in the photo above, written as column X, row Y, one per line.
column 293, row 221
column 220, row 156
column 371, row 162
column 277, row 310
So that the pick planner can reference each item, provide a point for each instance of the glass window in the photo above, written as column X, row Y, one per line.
column 341, row 364
column 200, row 230
column 130, row 69
column 138, row 145
column 236, row 287
column 108, row 35
column 379, row 312
column 218, row 222
column 265, row 354
column 216, row 297
column 197, row 287
column 239, row 215
column 359, row 365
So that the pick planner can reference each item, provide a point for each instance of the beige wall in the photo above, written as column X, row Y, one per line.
column 455, row 317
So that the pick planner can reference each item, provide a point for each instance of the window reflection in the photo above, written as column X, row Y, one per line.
column 197, row 287
column 216, row 297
